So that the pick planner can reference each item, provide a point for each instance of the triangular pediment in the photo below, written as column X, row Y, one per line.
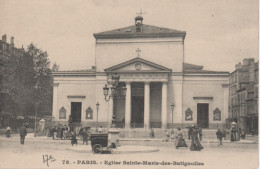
column 138, row 65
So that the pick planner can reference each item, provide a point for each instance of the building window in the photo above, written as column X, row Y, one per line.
column 89, row 113
column 217, row 115
column 188, row 115
column 62, row 113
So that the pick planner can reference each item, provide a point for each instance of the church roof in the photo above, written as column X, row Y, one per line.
column 194, row 69
column 147, row 31
column 188, row 66
column 74, row 72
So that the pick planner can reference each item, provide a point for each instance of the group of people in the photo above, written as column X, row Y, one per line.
column 195, row 134
column 22, row 131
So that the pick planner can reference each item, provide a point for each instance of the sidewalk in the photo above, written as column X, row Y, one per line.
column 248, row 140
column 126, row 149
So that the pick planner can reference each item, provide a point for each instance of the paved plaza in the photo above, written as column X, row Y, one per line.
column 36, row 152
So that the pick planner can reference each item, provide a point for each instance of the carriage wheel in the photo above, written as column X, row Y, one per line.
column 97, row 148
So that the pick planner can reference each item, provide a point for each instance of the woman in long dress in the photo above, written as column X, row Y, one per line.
column 180, row 142
column 195, row 142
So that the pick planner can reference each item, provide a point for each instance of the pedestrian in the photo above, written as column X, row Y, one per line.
column 23, row 133
column 238, row 134
column 166, row 136
column 65, row 132
column 70, row 124
column 48, row 131
column 243, row 134
column 60, row 132
column 52, row 131
column 219, row 136
column 86, row 136
column 224, row 134
column 73, row 138
column 180, row 142
column 233, row 134
column 100, row 129
column 152, row 133
column 189, row 132
column 8, row 132
column 195, row 142
column 200, row 133
column 253, row 132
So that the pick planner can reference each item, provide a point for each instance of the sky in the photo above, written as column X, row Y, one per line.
column 219, row 34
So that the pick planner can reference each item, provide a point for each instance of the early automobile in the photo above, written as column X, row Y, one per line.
column 100, row 143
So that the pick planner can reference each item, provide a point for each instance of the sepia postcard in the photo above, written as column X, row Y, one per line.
column 129, row 84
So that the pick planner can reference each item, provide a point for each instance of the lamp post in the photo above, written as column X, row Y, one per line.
column 35, row 118
column 172, row 106
column 97, row 106
column 36, row 110
column 116, row 91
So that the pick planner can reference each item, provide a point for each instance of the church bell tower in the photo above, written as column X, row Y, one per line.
column 139, row 23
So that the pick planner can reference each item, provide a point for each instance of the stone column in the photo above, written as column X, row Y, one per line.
column 55, row 102
column 128, row 105
column 147, row 105
column 110, row 111
column 164, row 105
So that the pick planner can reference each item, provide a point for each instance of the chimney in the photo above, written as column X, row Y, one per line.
column 4, row 38
column 12, row 41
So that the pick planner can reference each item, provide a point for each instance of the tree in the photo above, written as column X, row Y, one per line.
column 42, row 91
column 16, row 82
column 55, row 67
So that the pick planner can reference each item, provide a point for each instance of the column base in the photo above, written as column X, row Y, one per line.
column 146, row 126
column 127, row 126
column 164, row 126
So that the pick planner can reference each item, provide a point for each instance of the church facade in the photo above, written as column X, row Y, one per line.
column 150, row 63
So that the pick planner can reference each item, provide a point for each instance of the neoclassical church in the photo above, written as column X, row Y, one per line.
column 156, row 87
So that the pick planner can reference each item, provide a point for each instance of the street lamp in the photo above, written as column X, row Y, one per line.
column 172, row 106
column 36, row 111
column 116, row 91
column 97, row 106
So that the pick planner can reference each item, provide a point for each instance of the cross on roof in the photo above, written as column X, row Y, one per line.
column 138, row 52
column 140, row 14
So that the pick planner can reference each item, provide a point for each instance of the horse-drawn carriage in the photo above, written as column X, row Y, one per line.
column 100, row 143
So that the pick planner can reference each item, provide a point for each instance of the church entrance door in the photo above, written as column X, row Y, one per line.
column 76, row 111
column 203, row 115
column 137, row 115
column 137, row 111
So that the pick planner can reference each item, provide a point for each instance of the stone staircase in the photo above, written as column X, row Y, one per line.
column 159, row 133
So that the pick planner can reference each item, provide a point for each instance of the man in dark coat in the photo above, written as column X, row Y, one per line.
column 219, row 137
column 52, row 132
column 23, row 133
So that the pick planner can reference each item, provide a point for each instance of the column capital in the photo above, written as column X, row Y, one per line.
column 165, row 83
column 147, row 82
column 128, row 82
